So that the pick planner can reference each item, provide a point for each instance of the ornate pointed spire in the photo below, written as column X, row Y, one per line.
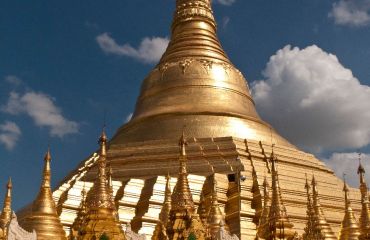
column 182, row 199
column 349, row 229
column 263, row 226
column 165, row 212
column 101, row 218
column 6, row 213
column 183, row 219
column 43, row 217
column 322, row 228
column 215, row 215
column 279, row 224
column 365, row 209
column 309, row 230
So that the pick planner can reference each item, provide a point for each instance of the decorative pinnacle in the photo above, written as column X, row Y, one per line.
column 273, row 159
column 345, row 190
column 183, row 143
column 47, row 169
column 103, row 142
column 9, row 187
column 307, row 185
column 361, row 170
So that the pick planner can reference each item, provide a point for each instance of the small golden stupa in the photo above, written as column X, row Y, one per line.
column 350, row 229
column 100, row 221
column 321, row 227
column 42, row 215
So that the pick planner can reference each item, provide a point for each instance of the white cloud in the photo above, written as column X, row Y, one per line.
column 42, row 109
column 9, row 134
column 225, row 2
column 348, row 163
column 313, row 100
column 351, row 12
column 150, row 50
column 14, row 80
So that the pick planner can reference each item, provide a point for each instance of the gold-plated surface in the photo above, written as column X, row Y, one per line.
column 101, row 217
column 6, row 213
column 43, row 216
column 349, row 229
column 195, row 84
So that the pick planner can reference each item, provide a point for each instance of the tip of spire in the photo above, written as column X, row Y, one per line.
column 361, row 169
column 307, row 186
column 345, row 187
column 103, row 136
column 47, row 155
column 183, row 143
column 10, row 184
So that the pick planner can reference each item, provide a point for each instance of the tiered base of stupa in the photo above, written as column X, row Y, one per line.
column 139, row 184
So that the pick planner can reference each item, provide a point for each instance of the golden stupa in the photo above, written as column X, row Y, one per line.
column 42, row 215
column 196, row 89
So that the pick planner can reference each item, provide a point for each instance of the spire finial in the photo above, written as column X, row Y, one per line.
column 9, row 186
column 47, row 169
column 183, row 143
column 361, row 170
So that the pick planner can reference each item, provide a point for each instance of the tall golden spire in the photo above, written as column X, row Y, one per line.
column 365, row 210
column 263, row 226
column 349, row 229
column 43, row 216
column 101, row 219
column 182, row 199
column 215, row 215
column 184, row 222
column 321, row 225
column 310, row 229
column 279, row 224
column 195, row 82
column 6, row 213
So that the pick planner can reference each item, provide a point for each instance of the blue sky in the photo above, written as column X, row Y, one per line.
column 75, row 60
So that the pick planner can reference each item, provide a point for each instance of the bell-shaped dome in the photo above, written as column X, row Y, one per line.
column 195, row 86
